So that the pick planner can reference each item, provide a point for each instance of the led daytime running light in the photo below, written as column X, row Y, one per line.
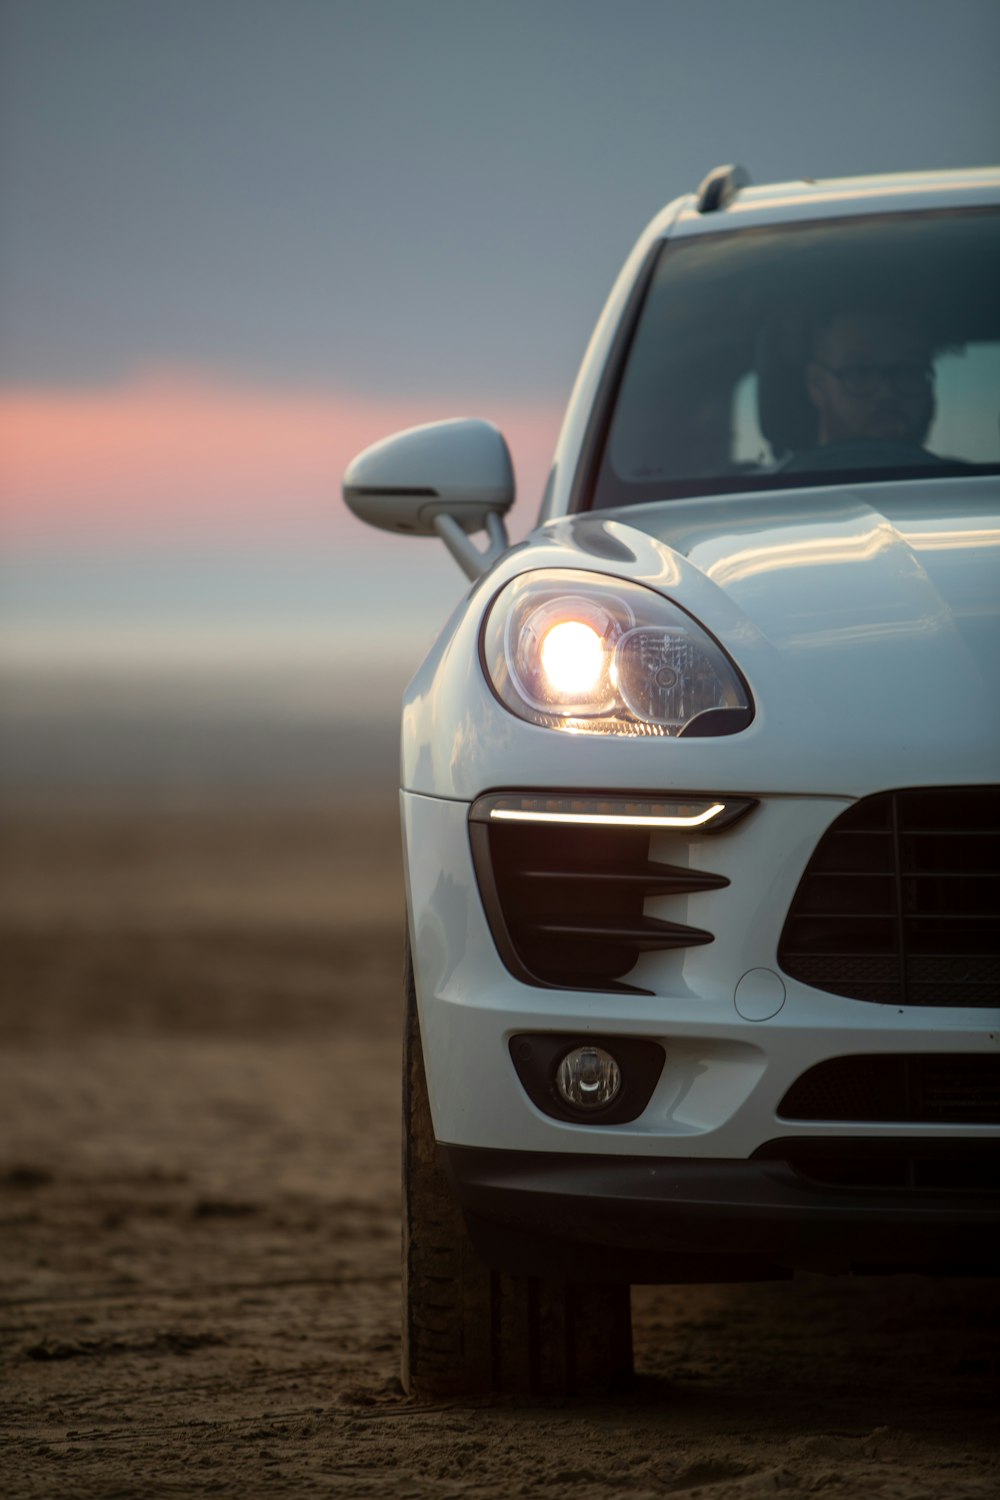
column 684, row 813
column 615, row 820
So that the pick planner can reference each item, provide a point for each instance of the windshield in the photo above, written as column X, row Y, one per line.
column 852, row 350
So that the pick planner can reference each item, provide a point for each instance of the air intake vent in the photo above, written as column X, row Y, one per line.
column 565, row 904
column 916, row 1166
column 900, row 902
column 920, row 1089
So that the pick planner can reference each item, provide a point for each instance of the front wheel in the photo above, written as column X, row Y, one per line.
column 471, row 1331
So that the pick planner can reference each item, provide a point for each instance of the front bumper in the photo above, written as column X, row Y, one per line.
column 644, row 1219
column 724, row 1077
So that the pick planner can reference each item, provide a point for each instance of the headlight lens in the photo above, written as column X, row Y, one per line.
column 581, row 652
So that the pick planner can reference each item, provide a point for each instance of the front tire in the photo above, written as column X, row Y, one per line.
column 471, row 1331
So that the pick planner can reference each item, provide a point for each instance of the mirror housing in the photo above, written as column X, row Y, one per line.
column 446, row 479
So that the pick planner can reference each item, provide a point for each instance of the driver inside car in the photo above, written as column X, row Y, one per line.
column 870, row 377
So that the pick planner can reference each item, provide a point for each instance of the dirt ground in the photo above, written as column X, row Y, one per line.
column 199, row 1143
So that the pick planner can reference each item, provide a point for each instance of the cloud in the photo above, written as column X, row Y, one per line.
column 175, row 455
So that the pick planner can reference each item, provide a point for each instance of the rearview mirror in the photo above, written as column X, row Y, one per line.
column 446, row 479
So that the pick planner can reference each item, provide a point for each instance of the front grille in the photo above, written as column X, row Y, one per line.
column 919, row 1089
column 565, row 904
column 900, row 903
column 925, row 1166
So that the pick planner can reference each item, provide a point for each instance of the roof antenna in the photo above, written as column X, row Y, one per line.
column 720, row 188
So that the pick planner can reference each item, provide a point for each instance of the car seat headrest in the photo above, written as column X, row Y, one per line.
column 787, row 417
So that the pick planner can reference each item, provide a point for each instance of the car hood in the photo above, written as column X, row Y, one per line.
column 866, row 622
column 876, row 601
column 887, row 569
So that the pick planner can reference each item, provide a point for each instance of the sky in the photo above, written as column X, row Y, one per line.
column 241, row 239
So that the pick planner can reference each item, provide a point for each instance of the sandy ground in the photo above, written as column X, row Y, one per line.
column 199, row 1220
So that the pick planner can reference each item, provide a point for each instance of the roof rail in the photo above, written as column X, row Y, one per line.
column 720, row 188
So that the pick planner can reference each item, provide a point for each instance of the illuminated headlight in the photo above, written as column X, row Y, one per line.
column 585, row 653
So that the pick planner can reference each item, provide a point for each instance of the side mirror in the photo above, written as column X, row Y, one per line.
column 446, row 479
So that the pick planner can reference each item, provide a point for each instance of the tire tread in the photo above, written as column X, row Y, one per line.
column 494, row 1333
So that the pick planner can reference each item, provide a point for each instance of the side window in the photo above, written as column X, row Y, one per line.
column 967, row 388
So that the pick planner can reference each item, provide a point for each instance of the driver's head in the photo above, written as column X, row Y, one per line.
column 870, row 375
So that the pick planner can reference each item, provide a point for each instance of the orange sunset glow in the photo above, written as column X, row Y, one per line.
column 176, row 454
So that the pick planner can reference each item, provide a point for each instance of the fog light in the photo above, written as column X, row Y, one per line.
column 588, row 1078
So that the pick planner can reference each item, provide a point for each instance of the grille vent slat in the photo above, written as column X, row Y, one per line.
column 653, row 880
column 645, row 936
column 900, row 903
column 566, row 905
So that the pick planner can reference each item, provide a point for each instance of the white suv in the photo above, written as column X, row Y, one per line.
column 700, row 789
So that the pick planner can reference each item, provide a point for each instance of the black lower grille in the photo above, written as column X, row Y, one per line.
column 566, row 904
column 917, row 1089
column 927, row 1166
column 900, row 903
